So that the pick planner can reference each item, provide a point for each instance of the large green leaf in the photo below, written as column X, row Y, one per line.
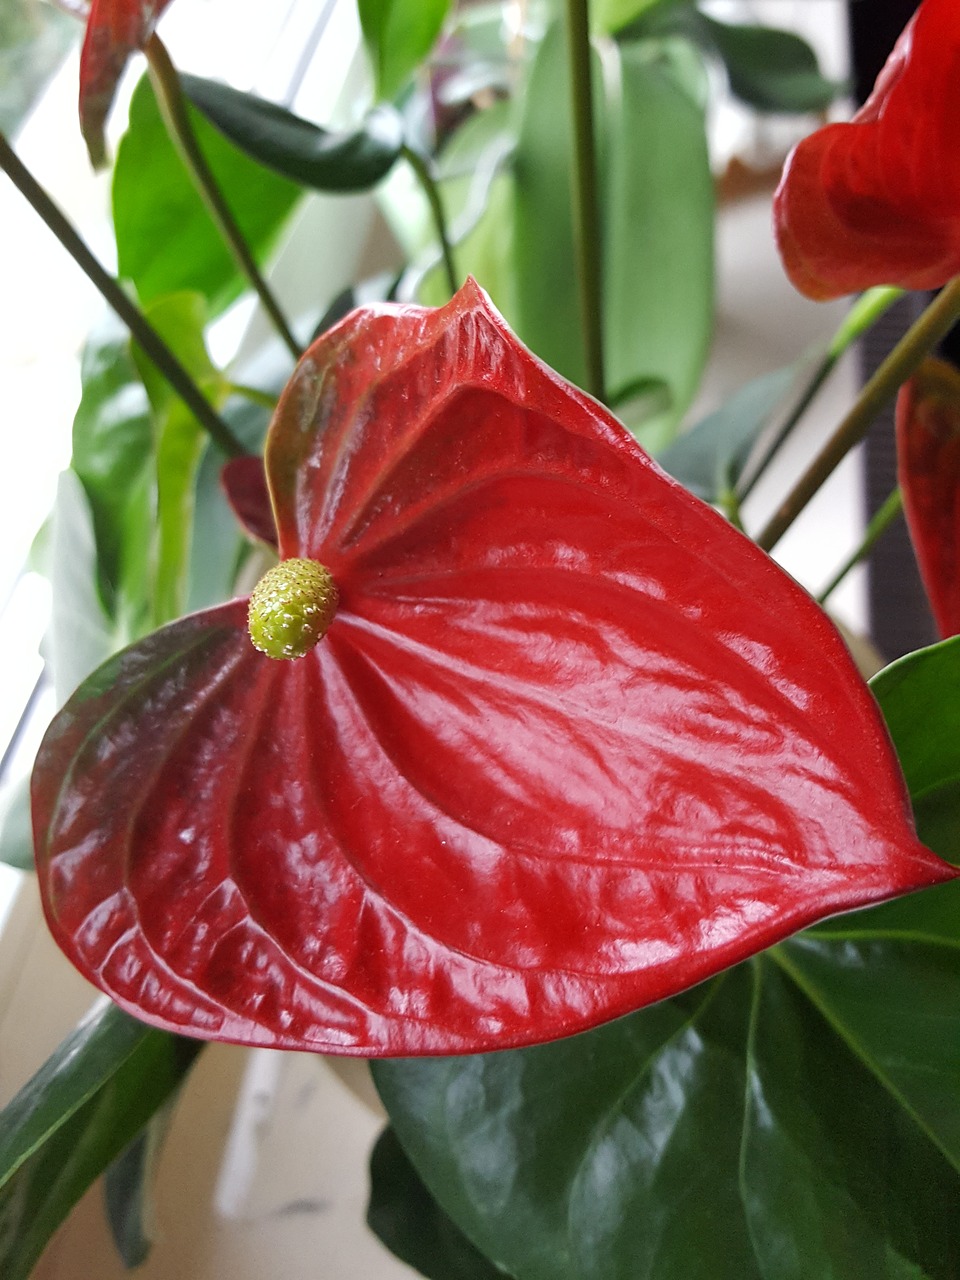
column 16, row 834
column 404, row 1215
column 80, row 1110
column 399, row 34
column 295, row 148
column 657, row 198
column 798, row 1116
column 180, row 442
column 166, row 241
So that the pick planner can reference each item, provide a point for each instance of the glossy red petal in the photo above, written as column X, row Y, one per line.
column 244, row 482
column 115, row 28
column 928, row 462
column 570, row 744
column 877, row 200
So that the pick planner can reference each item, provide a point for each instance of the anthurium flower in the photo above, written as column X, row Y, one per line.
column 565, row 743
column 928, row 462
column 877, row 200
column 115, row 28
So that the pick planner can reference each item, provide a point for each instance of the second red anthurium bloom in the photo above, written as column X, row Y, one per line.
column 877, row 200
column 562, row 743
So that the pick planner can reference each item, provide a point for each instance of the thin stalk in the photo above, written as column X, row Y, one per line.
column 173, row 108
column 265, row 399
column 423, row 170
column 882, row 519
column 139, row 326
column 586, row 204
column 864, row 313
column 934, row 324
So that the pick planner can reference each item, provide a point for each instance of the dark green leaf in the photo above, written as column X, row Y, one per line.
column 399, row 34
column 770, row 69
column 127, row 1188
column 920, row 699
column 406, row 1218
column 295, row 148
column 156, row 205
column 73, row 1118
column 709, row 458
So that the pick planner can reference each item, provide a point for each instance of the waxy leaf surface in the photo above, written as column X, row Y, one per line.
column 928, row 465
column 115, row 28
column 877, row 200
column 571, row 743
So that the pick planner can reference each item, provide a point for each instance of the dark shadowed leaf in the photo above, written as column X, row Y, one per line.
column 155, row 203
column 73, row 1118
column 295, row 148
column 709, row 458
column 128, row 1190
column 405, row 1217
column 770, row 69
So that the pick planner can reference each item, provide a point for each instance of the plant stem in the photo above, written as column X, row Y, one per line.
column 423, row 170
column 881, row 522
column 173, row 108
column 586, row 207
column 934, row 324
column 864, row 313
column 141, row 329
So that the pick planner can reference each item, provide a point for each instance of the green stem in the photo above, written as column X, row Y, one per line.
column 423, row 170
column 881, row 522
column 864, row 313
column 173, row 108
column 141, row 329
column 586, row 205
column 263, row 398
column 918, row 341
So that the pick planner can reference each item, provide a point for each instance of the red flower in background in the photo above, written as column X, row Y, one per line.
column 115, row 28
column 877, row 200
column 569, row 745
column 928, row 462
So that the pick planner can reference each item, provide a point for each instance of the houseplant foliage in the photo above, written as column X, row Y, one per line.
column 529, row 762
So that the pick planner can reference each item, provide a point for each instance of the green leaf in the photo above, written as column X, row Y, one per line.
column 609, row 16
column 113, row 457
column 747, row 1130
column 80, row 1110
column 709, row 458
column 399, row 34
column 658, row 224
column 180, row 442
column 166, row 241
column 659, row 230
column 295, row 148
column 16, row 833
column 128, row 1186
column 770, row 69
column 405, row 1217
column 920, row 699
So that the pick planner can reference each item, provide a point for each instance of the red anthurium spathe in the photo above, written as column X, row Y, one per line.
column 115, row 28
column 928, row 463
column 569, row 745
column 877, row 200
